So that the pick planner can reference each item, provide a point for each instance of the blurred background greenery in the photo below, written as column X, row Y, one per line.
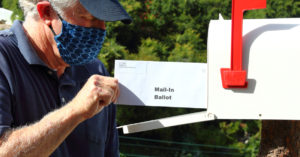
column 176, row 30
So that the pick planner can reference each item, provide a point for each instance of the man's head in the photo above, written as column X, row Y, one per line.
column 106, row 10
column 73, row 29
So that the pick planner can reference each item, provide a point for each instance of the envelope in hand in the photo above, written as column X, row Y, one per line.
column 166, row 84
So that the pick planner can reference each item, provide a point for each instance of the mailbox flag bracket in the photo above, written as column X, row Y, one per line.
column 235, row 77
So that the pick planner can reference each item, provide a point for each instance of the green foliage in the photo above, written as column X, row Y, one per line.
column 176, row 30
column 110, row 52
column 149, row 50
column 122, row 155
column 13, row 6
column 280, row 8
column 187, row 47
column 243, row 134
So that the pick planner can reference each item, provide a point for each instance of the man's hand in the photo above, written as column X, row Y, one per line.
column 98, row 92
column 44, row 136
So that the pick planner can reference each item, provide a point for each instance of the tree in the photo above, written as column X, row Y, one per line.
column 280, row 138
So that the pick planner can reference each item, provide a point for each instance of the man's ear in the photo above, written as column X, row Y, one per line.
column 44, row 9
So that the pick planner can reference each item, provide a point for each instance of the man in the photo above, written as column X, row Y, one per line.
column 55, row 95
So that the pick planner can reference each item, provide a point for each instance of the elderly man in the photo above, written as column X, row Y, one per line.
column 55, row 95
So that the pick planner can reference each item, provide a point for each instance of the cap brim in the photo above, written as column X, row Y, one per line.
column 107, row 10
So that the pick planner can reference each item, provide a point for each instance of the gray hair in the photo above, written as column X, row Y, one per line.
column 29, row 6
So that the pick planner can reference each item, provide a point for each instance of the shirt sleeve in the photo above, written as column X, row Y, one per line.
column 5, row 105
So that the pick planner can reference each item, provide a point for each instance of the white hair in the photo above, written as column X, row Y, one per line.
column 29, row 6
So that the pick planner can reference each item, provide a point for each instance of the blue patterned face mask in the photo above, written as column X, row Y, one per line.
column 79, row 45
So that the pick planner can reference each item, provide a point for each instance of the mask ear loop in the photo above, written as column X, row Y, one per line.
column 61, row 19
column 52, row 30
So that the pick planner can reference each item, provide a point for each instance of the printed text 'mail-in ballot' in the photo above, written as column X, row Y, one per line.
column 167, row 84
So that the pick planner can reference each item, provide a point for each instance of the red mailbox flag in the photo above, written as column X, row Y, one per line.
column 235, row 77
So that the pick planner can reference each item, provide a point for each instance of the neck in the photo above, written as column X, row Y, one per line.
column 43, row 42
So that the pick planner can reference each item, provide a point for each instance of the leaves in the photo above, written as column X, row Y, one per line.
column 13, row 6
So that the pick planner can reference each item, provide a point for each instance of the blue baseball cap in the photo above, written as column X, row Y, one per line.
column 107, row 10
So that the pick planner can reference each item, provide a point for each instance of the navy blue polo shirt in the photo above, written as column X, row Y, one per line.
column 29, row 90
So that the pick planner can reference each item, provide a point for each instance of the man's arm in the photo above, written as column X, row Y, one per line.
column 43, row 137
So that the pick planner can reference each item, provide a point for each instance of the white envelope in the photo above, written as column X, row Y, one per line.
column 167, row 84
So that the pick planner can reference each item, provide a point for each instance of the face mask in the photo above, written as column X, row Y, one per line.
column 79, row 45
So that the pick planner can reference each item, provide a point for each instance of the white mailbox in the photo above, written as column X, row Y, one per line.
column 271, row 59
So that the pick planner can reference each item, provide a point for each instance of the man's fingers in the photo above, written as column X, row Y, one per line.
column 106, row 96
column 110, row 84
column 116, row 90
column 98, row 92
column 116, row 95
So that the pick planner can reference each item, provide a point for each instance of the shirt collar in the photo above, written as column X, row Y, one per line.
column 79, row 73
column 24, row 45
